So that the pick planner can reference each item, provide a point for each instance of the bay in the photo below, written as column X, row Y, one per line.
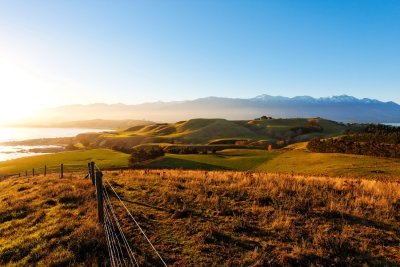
column 19, row 134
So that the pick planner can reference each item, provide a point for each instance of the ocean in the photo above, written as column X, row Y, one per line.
column 18, row 134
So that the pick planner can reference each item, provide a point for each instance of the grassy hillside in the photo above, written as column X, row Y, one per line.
column 203, row 131
column 48, row 221
column 202, row 218
column 334, row 164
column 229, row 159
column 73, row 161
column 294, row 159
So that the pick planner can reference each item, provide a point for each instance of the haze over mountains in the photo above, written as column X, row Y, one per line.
column 341, row 108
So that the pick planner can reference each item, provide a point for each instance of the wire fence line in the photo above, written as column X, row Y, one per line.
column 109, row 208
column 47, row 170
column 120, row 251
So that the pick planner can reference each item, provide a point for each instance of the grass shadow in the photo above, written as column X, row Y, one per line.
column 174, row 163
column 354, row 220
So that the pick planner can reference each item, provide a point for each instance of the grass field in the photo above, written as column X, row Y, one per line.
column 48, row 221
column 239, row 219
column 295, row 159
column 333, row 164
column 230, row 159
column 204, row 218
column 73, row 161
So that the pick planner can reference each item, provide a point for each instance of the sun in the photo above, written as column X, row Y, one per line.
column 11, row 113
column 21, row 92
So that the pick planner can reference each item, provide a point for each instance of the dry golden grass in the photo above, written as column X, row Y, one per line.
column 48, row 221
column 198, row 218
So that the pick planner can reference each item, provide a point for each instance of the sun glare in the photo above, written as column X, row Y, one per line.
column 21, row 92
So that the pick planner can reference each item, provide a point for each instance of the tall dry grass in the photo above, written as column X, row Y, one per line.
column 48, row 221
column 259, row 219
column 202, row 218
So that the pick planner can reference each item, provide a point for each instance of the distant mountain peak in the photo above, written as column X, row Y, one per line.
column 265, row 97
column 309, row 99
column 342, row 108
column 340, row 99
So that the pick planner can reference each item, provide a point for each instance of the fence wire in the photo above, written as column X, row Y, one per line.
column 120, row 251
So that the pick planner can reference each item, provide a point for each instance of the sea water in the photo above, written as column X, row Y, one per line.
column 18, row 134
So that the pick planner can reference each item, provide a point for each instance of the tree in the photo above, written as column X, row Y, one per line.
column 140, row 155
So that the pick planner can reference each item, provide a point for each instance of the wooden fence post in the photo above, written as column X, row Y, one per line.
column 62, row 171
column 99, row 193
column 45, row 170
column 33, row 171
column 92, row 173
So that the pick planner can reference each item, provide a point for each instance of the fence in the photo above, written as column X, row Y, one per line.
column 119, row 249
column 61, row 169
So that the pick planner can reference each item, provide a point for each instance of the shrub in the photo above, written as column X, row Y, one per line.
column 140, row 155
column 71, row 147
column 122, row 149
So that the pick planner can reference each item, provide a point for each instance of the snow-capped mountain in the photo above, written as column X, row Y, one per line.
column 309, row 99
column 342, row 108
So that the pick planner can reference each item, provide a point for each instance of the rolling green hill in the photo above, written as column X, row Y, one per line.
column 277, row 132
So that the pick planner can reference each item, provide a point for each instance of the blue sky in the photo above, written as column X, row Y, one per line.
column 73, row 51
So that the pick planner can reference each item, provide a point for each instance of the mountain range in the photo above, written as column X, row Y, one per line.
column 341, row 108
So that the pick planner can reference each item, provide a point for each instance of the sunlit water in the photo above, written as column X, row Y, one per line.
column 393, row 123
column 18, row 134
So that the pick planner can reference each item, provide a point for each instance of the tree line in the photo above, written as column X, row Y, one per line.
column 377, row 140
column 140, row 155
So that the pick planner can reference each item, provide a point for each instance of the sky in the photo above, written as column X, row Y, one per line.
column 71, row 51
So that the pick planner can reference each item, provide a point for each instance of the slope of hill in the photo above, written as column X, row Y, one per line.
column 288, row 161
column 198, row 218
column 203, row 218
column 48, row 221
column 277, row 132
column 339, row 108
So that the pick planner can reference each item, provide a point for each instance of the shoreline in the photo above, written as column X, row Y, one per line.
column 59, row 141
